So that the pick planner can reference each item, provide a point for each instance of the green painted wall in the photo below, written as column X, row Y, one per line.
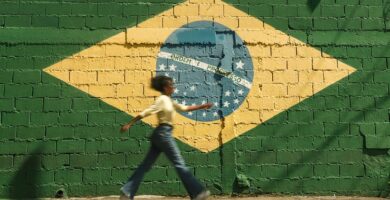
column 336, row 142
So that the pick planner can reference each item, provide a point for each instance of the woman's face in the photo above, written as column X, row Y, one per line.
column 169, row 88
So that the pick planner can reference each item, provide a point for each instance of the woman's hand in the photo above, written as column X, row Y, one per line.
column 199, row 107
column 207, row 105
column 125, row 128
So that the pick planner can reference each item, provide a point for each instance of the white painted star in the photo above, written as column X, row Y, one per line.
column 176, row 91
column 193, row 104
column 162, row 67
column 172, row 67
column 227, row 93
column 203, row 102
column 174, row 80
column 226, row 104
column 240, row 65
column 204, row 114
column 192, row 88
column 236, row 101
column 184, row 102
column 215, row 114
column 216, row 104
column 190, row 113
column 166, row 74
column 240, row 92
column 184, row 93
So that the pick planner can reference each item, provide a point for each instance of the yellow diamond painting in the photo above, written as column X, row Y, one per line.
column 274, row 70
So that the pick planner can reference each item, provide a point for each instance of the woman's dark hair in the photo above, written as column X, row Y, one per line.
column 160, row 82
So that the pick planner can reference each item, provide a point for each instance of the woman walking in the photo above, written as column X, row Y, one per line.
column 162, row 141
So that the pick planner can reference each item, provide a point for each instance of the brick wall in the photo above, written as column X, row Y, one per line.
column 60, row 128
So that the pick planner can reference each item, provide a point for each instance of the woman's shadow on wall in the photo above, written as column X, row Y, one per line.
column 312, row 4
column 24, row 183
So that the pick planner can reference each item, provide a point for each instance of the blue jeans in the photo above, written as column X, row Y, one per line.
column 162, row 141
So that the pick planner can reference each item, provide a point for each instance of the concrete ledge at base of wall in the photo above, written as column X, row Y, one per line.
column 263, row 197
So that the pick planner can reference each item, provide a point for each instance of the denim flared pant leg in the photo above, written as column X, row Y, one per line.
column 134, row 181
column 162, row 141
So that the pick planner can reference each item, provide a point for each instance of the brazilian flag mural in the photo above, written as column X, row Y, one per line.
column 300, row 92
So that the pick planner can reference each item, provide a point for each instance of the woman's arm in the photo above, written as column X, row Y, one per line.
column 199, row 107
column 153, row 109
column 183, row 108
column 127, row 126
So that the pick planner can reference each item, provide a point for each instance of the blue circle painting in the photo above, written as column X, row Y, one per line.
column 208, row 63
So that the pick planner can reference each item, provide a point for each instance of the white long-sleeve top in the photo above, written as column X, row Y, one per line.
column 165, row 109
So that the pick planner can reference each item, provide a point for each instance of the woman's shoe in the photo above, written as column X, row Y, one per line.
column 125, row 195
column 203, row 195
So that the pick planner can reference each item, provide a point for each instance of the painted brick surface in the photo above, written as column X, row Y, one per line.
column 315, row 121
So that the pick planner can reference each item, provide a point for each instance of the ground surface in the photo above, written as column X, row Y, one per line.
column 240, row 198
